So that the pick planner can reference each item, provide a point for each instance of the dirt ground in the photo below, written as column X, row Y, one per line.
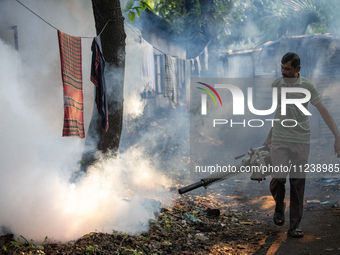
column 321, row 221
column 244, row 226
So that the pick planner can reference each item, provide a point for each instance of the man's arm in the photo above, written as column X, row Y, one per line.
column 327, row 117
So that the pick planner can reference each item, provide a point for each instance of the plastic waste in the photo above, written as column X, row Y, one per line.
column 189, row 217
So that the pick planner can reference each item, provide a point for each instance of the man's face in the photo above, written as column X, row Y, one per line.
column 288, row 71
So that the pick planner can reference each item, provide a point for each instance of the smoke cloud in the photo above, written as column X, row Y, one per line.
column 37, row 199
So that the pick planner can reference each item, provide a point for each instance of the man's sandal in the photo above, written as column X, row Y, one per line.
column 296, row 233
column 279, row 217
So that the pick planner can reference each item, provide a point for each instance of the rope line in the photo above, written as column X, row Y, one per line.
column 110, row 20
column 36, row 14
column 142, row 38
column 57, row 28
column 156, row 47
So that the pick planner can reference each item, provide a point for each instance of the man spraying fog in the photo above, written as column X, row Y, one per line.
column 291, row 144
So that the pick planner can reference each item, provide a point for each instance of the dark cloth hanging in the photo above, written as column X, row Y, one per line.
column 171, row 85
column 71, row 72
column 98, row 79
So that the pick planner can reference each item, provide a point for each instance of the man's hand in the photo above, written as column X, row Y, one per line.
column 337, row 147
column 327, row 117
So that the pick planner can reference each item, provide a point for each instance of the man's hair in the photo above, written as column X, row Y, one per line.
column 291, row 56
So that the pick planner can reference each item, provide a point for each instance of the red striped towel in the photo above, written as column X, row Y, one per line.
column 71, row 72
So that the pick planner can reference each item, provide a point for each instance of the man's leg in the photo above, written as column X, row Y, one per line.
column 278, row 190
column 279, row 154
column 297, row 189
column 300, row 153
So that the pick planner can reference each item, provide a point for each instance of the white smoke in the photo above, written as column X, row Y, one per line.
column 37, row 199
column 133, row 104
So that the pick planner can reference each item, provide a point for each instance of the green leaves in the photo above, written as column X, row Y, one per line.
column 131, row 16
column 133, row 10
column 90, row 248
column 138, row 12
column 129, row 5
column 16, row 244
column 144, row 5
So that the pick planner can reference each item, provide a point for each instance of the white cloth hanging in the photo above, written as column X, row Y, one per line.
column 206, row 57
column 199, row 65
column 148, row 66
column 192, row 64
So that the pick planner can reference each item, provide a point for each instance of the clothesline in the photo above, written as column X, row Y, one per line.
column 159, row 49
column 87, row 37
column 71, row 71
column 143, row 38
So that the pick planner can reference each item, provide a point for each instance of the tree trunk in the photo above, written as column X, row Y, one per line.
column 113, row 45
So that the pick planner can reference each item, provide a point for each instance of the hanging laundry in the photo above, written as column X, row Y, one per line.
column 98, row 79
column 192, row 65
column 148, row 66
column 187, row 83
column 206, row 57
column 171, row 88
column 71, row 72
column 199, row 65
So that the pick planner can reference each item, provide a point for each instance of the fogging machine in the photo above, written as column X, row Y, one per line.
column 256, row 162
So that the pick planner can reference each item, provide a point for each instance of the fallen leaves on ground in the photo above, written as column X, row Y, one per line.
column 229, row 233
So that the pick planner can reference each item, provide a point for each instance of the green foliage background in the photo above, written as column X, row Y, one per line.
column 246, row 22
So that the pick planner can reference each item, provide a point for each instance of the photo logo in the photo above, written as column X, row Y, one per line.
column 239, row 99
column 204, row 97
